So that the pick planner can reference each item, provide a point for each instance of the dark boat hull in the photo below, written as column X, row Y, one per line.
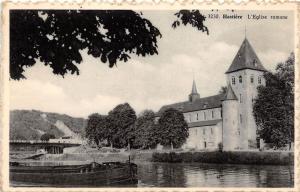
column 74, row 176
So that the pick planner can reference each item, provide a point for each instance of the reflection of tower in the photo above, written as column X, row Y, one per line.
column 194, row 94
column 244, row 75
column 231, row 133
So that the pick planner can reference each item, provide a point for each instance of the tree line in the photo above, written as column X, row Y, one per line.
column 122, row 128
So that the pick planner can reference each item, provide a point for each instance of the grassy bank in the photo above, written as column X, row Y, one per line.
column 236, row 157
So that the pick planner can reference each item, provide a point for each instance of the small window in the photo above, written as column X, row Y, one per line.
column 203, row 131
column 212, row 114
column 211, row 131
column 233, row 80
column 259, row 80
column 240, row 79
column 241, row 120
column 197, row 116
column 252, row 79
column 241, row 98
column 254, row 62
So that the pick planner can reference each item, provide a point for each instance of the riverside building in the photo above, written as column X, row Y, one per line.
column 227, row 118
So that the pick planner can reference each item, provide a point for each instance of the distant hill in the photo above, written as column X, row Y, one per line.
column 31, row 124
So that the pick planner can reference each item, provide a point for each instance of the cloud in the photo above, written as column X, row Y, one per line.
column 271, row 58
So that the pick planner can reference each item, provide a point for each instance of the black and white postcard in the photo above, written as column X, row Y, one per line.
column 167, row 96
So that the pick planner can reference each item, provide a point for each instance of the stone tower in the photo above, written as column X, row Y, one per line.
column 244, row 75
column 194, row 94
column 230, row 131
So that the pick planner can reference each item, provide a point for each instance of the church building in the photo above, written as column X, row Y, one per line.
column 226, row 118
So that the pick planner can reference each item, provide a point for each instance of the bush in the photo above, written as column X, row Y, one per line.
column 47, row 136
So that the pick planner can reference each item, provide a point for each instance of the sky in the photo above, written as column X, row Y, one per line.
column 151, row 82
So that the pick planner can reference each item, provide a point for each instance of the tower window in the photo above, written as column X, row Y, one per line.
column 203, row 131
column 254, row 63
column 241, row 98
column 212, row 114
column 233, row 80
column 259, row 80
column 197, row 116
column 252, row 79
column 204, row 116
column 211, row 131
column 241, row 119
column 240, row 79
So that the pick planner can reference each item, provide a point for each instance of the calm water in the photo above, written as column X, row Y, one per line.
column 207, row 175
column 213, row 175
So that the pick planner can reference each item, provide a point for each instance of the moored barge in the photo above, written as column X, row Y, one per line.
column 87, row 175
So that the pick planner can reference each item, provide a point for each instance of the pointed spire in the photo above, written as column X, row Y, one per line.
column 246, row 58
column 229, row 94
column 194, row 88
column 194, row 94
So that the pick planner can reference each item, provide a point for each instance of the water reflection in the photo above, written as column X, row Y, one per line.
column 213, row 175
column 202, row 175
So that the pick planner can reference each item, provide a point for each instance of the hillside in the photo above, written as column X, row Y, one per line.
column 31, row 124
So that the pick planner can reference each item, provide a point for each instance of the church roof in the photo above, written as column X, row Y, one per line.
column 204, row 123
column 230, row 94
column 199, row 104
column 246, row 58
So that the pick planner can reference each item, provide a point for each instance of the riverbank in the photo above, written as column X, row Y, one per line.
column 235, row 157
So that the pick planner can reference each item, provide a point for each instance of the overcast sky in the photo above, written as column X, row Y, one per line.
column 150, row 82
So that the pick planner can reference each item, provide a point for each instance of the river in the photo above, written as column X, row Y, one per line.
column 152, row 174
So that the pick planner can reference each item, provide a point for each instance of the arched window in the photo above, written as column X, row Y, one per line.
column 252, row 79
column 240, row 79
column 233, row 80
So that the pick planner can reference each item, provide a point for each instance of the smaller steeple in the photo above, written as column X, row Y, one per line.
column 194, row 94
column 229, row 94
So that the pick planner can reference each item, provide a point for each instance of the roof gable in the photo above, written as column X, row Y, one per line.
column 246, row 58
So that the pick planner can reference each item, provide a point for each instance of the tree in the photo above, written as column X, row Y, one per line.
column 274, row 106
column 146, row 130
column 55, row 37
column 223, row 90
column 97, row 129
column 121, row 121
column 47, row 137
column 173, row 129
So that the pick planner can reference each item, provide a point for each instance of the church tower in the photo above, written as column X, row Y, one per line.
column 244, row 75
column 194, row 94
column 230, row 131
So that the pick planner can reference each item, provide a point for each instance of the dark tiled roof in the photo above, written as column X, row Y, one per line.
column 199, row 104
column 204, row 123
column 246, row 58
column 230, row 94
